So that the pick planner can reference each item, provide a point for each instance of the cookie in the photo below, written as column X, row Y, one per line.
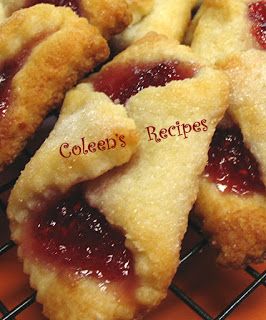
column 110, row 17
column 224, row 27
column 44, row 52
column 169, row 18
column 232, row 197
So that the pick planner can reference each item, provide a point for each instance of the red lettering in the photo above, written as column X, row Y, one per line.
column 64, row 146
column 170, row 129
column 91, row 147
column 101, row 145
column 186, row 129
column 163, row 133
column 76, row 150
column 151, row 131
column 196, row 127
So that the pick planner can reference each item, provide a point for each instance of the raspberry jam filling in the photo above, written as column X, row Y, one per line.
column 120, row 82
column 73, row 4
column 74, row 237
column 8, row 70
column 257, row 14
column 231, row 165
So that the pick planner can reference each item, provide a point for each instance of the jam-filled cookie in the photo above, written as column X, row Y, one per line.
column 102, row 233
column 163, row 86
column 110, row 246
column 169, row 18
column 231, row 201
column 232, row 197
column 44, row 52
column 223, row 27
column 111, row 17
column 91, row 136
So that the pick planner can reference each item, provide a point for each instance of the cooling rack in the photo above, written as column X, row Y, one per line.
column 258, row 278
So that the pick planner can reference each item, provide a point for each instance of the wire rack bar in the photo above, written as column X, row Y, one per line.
column 192, row 304
column 197, row 248
column 7, row 246
column 224, row 314
column 4, row 310
column 19, row 308
column 255, row 274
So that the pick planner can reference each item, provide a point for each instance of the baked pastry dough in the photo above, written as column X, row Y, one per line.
column 223, row 27
column 111, row 17
column 44, row 51
column 160, row 182
column 247, row 73
column 140, row 8
column 84, row 114
column 233, row 209
column 235, row 223
column 169, row 18
column 236, row 220
column 148, row 199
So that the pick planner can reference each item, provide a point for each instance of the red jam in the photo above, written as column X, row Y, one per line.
column 78, row 239
column 231, row 165
column 120, row 82
column 257, row 14
column 7, row 72
column 73, row 4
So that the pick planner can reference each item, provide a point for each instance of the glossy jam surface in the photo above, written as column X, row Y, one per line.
column 231, row 165
column 257, row 14
column 120, row 82
column 7, row 72
column 77, row 239
column 73, row 4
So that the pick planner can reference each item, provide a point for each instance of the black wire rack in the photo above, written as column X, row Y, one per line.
column 259, row 279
